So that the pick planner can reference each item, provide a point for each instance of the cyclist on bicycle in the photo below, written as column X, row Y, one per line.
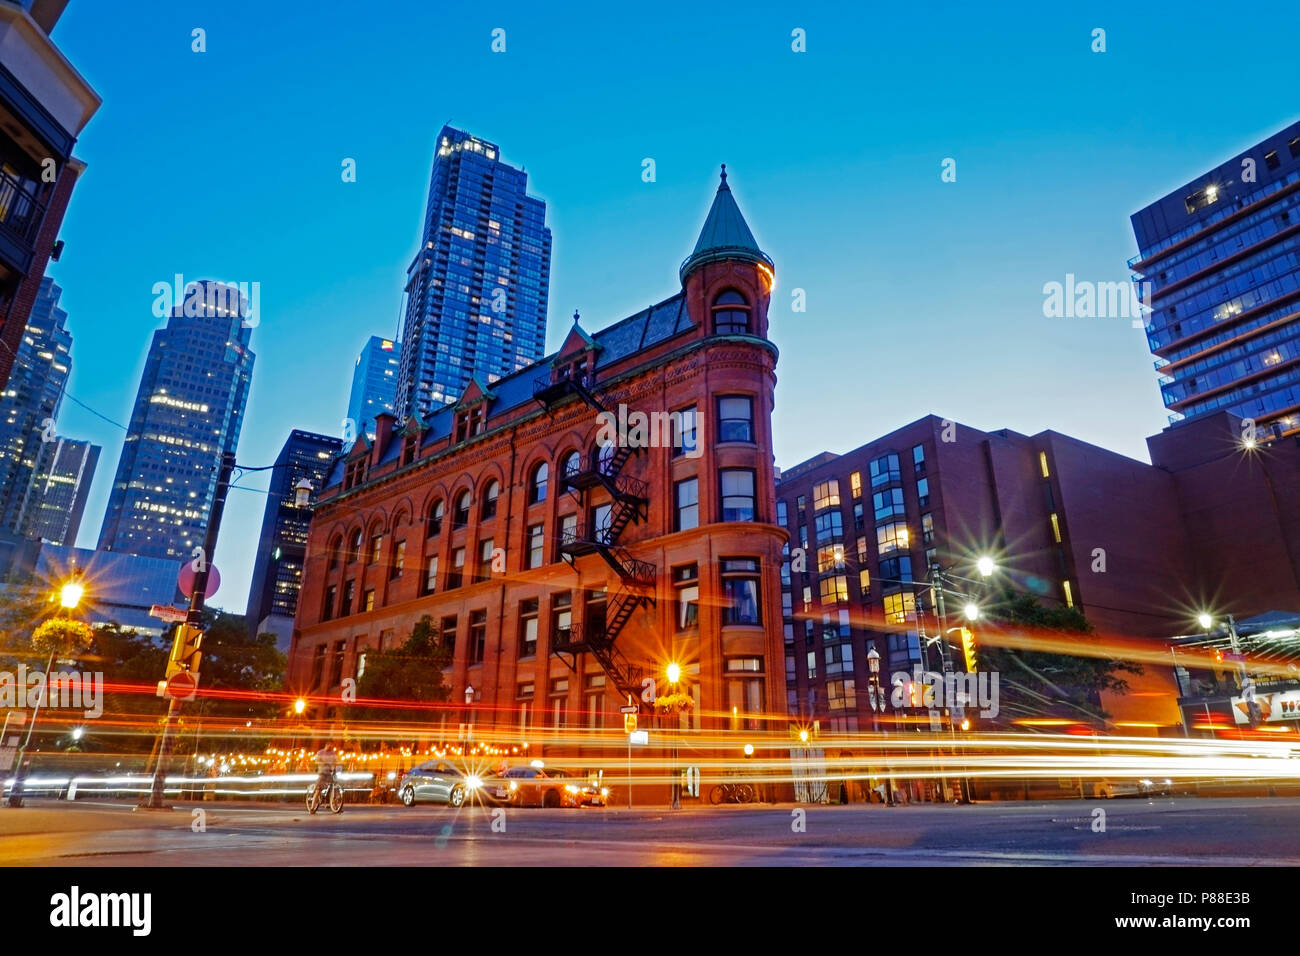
column 327, row 762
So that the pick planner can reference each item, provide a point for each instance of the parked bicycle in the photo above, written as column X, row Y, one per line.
column 327, row 790
column 731, row 793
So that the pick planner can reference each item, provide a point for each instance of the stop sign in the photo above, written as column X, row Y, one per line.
column 182, row 685
column 185, row 580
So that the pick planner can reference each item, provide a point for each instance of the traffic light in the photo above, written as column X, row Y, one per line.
column 186, row 655
column 968, row 649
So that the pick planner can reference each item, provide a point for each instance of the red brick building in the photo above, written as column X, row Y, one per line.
column 560, row 570
column 44, row 104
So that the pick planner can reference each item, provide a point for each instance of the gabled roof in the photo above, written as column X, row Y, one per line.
column 576, row 341
column 414, row 423
column 725, row 236
column 360, row 447
column 474, row 392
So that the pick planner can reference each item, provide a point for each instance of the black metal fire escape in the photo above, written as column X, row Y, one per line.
column 629, row 502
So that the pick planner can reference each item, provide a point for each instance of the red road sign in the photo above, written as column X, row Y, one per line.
column 185, row 579
column 181, row 686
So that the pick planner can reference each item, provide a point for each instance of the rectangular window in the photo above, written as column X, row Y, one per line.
column 561, row 617
column 829, row 526
column 923, row 493
column 687, row 496
column 884, row 471
column 369, row 599
column 318, row 668
column 735, row 418
column 855, row 484
column 899, row 607
column 349, row 592
column 595, row 703
column 740, row 582
column 1271, row 160
column 826, row 494
column 602, row 524
column 399, row 559
column 686, row 426
column 859, row 517
column 336, row 669
column 559, row 702
column 485, row 550
column 891, row 537
column 528, row 627
column 477, row 636
column 457, row 573
column 812, row 665
column 864, row 582
column 834, row 589
column 536, row 546
column 927, row 529
column 1294, row 146
column 448, row 633
column 862, row 549
column 1069, row 594
column 782, row 515
column 830, row 557
column 737, row 494
column 896, row 571
column 376, row 545
column 803, row 536
column 1056, row 528
column 568, row 532
column 524, row 701
column 840, row 695
column 888, row 503
column 431, row 575
column 918, row 459
column 331, row 600
column 686, row 582
column 1042, row 464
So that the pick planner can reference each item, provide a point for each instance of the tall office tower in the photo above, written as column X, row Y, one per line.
column 374, row 385
column 1222, row 256
column 44, row 104
column 277, row 573
column 56, row 497
column 188, row 412
column 30, row 404
column 476, row 291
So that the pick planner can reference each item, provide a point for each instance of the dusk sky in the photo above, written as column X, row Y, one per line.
column 921, row 296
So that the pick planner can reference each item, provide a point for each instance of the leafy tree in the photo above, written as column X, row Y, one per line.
column 411, row 673
column 1049, row 683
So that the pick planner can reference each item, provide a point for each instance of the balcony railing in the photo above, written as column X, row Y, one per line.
column 20, row 211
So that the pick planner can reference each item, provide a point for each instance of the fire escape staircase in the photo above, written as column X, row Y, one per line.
column 629, row 502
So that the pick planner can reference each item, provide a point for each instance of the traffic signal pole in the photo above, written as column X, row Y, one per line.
column 193, row 619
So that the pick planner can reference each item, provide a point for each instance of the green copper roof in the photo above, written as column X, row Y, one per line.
column 725, row 234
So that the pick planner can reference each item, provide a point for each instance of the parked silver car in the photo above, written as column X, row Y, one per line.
column 438, row 782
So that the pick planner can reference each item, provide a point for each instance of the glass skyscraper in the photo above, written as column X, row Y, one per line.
column 30, row 403
column 374, row 384
column 1222, row 257
column 277, row 573
column 188, row 412
column 477, row 289
column 56, row 497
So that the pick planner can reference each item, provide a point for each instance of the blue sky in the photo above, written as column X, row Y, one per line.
column 921, row 296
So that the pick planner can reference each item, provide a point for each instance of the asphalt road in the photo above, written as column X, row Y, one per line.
column 1177, row 831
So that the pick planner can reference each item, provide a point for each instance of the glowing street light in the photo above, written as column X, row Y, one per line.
column 299, row 706
column 986, row 566
column 749, row 750
column 972, row 612
column 71, row 593
column 803, row 736
column 674, row 672
column 1205, row 620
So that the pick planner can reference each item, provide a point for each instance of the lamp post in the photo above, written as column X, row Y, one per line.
column 876, row 697
column 70, row 595
column 469, row 717
column 674, row 672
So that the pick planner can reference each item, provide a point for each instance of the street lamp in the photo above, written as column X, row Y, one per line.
column 674, row 673
column 299, row 706
column 986, row 566
column 302, row 493
column 972, row 611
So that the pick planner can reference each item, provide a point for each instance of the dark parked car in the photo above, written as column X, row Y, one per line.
column 438, row 782
column 531, row 787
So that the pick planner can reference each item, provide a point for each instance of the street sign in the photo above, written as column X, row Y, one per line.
column 630, row 710
column 165, row 612
column 181, row 686
column 639, row 737
column 629, row 723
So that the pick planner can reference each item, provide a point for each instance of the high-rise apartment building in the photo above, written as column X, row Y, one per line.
column 44, row 105
column 188, row 412
column 374, row 385
column 56, row 497
column 1222, row 257
column 277, row 573
column 30, row 404
column 476, row 291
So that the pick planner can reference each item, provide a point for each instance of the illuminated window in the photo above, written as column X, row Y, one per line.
column 1042, row 464
column 834, row 589
column 899, row 607
column 528, row 627
column 891, row 537
column 686, row 581
column 1056, row 528
column 1069, row 594
column 826, row 494
column 855, row 484
column 731, row 314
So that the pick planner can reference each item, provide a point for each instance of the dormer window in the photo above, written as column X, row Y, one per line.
column 731, row 314
column 470, row 422
column 354, row 474
column 410, row 445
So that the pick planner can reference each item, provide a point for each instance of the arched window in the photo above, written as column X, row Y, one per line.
column 460, row 516
column 537, row 487
column 335, row 547
column 605, row 457
column 731, row 314
column 436, row 511
column 490, row 494
column 354, row 551
column 570, row 464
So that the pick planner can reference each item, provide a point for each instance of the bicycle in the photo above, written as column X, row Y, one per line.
column 731, row 793
column 331, row 788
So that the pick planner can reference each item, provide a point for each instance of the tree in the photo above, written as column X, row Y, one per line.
column 1049, row 683
column 411, row 673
